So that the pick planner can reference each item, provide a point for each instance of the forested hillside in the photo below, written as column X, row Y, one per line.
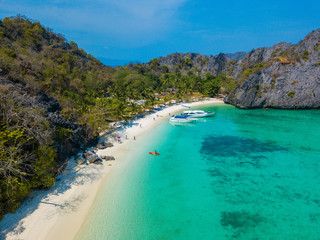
column 56, row 98
column 281, row 76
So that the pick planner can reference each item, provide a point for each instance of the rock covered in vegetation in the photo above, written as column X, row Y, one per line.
column 288, row 77
column 42, row 139
column 55, row 97
column 68, row 136
column 282, row 76
column 194, row 62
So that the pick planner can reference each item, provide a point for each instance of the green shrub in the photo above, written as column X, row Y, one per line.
column 316, row 47
column 291, row 94
column 246, row 73
column 275, row 52
column 265, row 89
column 259, row 94
column 273, row 82
column 305, row 55
column 316, row 64
column 249, row 71
column 63, row 133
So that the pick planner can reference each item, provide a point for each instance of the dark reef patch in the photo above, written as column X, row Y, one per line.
column 240, row 219
column 230, row 146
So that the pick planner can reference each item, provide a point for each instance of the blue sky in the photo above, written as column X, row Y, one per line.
column 144, row 29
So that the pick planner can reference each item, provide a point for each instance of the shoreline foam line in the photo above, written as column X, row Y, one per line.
column 60, row 212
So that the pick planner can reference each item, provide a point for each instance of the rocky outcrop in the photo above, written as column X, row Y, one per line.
column 197, row 62
column 103, row 145
column 282, row 76
column 91, row 157
column 81, row 161
column 107, row 158
column 289, row 77
column 45, row 106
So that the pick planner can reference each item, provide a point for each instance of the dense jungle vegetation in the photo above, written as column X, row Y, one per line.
column 89, row 93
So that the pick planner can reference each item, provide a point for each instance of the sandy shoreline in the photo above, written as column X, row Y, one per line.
column 60, row 212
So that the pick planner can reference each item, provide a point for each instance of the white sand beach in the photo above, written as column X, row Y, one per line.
column 59, row 212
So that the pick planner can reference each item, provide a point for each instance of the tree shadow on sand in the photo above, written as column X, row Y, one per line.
column 13, row 223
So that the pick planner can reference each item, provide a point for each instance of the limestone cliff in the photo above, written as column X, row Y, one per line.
column 283, row 76
column 288, row 76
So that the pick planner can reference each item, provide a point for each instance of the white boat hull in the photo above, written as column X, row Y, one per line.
column 177, row 120
column 203, row 115
column 197, row 114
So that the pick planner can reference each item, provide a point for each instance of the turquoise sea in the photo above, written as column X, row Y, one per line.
column 243, row 174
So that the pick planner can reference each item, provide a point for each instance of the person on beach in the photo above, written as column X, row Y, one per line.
column 134, row 137
column 140, row 125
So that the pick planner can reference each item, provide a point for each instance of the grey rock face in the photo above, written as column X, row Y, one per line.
column 282, row 76
column 107, row 158
column 103, row 145
column 81, row 161
column 213, row 64
column 91, row 157
column 294, row 85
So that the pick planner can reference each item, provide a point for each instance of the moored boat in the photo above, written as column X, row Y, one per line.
column 197, row 113
column 181, row 119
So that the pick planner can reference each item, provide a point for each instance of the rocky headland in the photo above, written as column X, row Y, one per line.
column 284, row 76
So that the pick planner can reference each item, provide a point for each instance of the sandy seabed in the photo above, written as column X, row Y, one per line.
column 59, row 212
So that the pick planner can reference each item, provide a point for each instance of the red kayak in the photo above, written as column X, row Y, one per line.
column 154, row 153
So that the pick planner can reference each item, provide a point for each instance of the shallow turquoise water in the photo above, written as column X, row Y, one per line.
column 243, row 174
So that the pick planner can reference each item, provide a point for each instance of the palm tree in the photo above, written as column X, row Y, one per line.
column 166, row 82
column 119, row 110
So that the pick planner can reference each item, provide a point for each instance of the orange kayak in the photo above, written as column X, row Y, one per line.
column 154, row 153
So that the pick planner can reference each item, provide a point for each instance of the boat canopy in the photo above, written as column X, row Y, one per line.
column 180, row 116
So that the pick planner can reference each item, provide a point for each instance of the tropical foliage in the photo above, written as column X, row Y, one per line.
column 90, row 94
